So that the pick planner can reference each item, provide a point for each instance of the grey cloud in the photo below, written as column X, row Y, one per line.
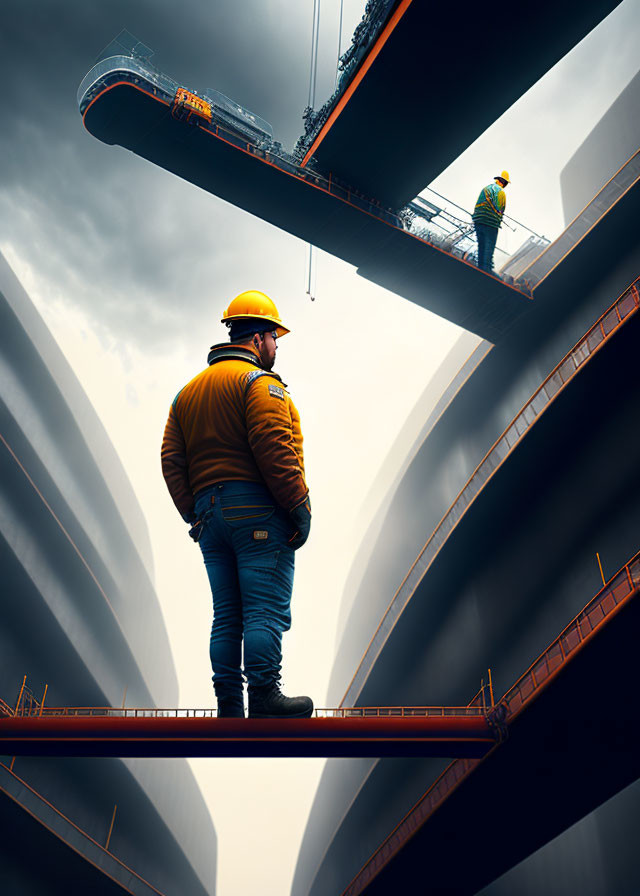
column 100, row 227
column 138, row 251
column 104, row 229
column 250, row 48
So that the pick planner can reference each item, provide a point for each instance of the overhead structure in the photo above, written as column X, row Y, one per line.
column 433, row 79
column 229, row 151
column 124, row 103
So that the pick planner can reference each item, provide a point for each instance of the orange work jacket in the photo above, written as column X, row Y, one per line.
column 233, row 421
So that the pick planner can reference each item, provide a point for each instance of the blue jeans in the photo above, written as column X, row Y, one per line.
column 250, row 568
column 486, row 237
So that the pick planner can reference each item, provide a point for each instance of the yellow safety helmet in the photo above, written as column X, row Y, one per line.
column 503, row 176
column 254, row 304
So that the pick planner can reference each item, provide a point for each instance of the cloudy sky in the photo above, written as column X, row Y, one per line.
column 131, row 268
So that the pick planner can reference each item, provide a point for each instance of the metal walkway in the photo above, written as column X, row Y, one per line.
column 35, row 730
column 418, row 252
column 317, row 210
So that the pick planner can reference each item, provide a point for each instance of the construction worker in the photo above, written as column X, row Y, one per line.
column 487, row 218
column 233, row 463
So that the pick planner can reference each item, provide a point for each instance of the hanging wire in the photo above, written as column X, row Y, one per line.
column 315, row 32
column 313, row 76
column 310, row 269
column 339, row 40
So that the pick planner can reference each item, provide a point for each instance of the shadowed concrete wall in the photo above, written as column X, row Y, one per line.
column 499, row 601
column 80, row 612
column 612, row 141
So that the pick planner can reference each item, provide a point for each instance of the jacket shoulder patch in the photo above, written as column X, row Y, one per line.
column 276, row 392
column 253, row 375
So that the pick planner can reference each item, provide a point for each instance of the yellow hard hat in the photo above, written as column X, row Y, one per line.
column 504, row 175
column 254, row 304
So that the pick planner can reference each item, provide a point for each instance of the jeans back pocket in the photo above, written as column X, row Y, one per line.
column 257, row 513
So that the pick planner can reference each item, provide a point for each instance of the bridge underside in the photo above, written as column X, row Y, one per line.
column 435, row 80
column 330, row 219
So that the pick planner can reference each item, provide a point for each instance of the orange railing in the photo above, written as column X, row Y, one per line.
column 29, row 709
column 5, row 709
column 624, row 584
column 597, row 335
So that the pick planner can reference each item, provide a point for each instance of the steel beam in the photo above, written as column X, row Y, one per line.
column 68, row 735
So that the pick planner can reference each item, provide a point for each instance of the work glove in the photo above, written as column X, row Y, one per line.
column 301, row 519
column 196, row 525
column 195, row 531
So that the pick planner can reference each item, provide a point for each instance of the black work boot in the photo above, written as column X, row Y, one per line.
column 269, row 702
column 230, row 708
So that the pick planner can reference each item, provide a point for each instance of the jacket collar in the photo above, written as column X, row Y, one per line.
column 226, row 351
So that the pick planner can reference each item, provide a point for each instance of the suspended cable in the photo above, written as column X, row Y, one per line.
column 339, row 39
column 310, row 267
column 313, row 76
column 315, row 33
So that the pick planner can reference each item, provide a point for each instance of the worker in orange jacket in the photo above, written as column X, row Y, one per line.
column 233, row 462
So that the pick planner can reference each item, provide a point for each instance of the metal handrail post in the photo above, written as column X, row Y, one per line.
column 24, row 681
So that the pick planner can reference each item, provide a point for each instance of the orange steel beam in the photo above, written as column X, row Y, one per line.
column 67, row 735
column 362, row 71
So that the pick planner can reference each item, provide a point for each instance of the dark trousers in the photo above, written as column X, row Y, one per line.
column 486, row 237
column 250, row 566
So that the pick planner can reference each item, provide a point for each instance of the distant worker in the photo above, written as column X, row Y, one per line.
column 233, row 463
column 487, row 218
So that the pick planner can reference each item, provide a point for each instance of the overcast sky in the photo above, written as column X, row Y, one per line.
column 132, row 267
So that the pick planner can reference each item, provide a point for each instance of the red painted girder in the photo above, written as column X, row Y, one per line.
column 151, row 737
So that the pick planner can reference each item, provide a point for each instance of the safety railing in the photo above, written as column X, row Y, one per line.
column 368, row 712
column 615, row 316
column 616, row 591
column 27, row 703
column 431, row 223
column 28, row 707
column 449, row 779
column 224, row 105
column 115, row 712
column 30, row 710
column 112, row 67
column 427, row 222
column 624, row 584
column 444, row 223
column 616, row 187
